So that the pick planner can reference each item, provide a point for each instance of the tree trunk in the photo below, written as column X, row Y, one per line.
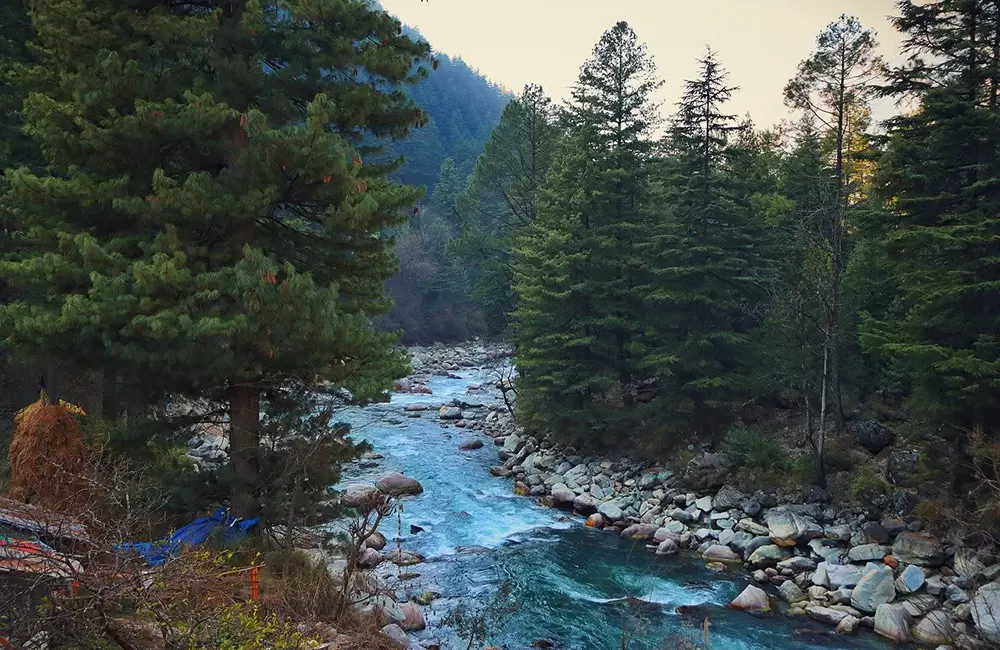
column 50, row 382
column 244, row 448
column 111, row 407
column 821, row 434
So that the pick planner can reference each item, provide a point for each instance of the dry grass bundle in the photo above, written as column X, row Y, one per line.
column 47, row 457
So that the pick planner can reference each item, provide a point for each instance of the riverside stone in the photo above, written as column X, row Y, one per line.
column 893, row 622
column 868, row 552
column 797, row 564
column 766, row 556
column 788, row 528
column 875, row 588
column 826, row 614
column 791, row 593
column 750, row 526
column 704, row 504
column 728, row 498
column 396, row 635
column 720, row 553
column 563, row 496
column 396, row 484
column 848, row 625
column 585, row 504
column 910, row 580
column 667, row 547
column 611, row 511
column 450, row 413
column 933, row 629
column 968, row 563
column 918, row 548
column 752, row 599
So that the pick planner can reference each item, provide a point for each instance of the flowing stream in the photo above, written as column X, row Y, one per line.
column 566, row 584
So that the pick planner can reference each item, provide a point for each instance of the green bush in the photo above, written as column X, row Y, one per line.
column 750, row 448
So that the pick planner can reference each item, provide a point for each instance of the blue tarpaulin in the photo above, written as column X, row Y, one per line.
column 159, row 552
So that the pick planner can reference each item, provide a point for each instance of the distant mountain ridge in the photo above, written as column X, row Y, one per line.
column 463, row 106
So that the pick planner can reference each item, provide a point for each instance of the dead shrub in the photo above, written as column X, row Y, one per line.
column 47, row 457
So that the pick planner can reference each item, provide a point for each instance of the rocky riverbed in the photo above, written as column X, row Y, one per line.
column 851, row 569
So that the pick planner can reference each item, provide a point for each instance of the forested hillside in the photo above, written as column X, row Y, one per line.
column 725, row 283
column 462, row 108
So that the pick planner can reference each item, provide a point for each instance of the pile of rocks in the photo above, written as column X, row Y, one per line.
column 441, row 359
column 842, row 568
column 374, row 596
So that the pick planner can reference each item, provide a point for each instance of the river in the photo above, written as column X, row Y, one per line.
column 564, row 581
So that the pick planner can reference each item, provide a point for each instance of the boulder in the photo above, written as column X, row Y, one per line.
column 674, row 526
column 752, row 599
column 787, row 528
column 826, row 615
column 585, row 504
column 450, row 413
column 376, row 541
column 356, row 494
column 755, row 543
column 395, row 484
column 797, row 564
column 870, row 434
column 918, row 548
column 405, row 558
column 875, row 588
column 910, row 579
column 791, row 593
column 873, row 533
column 471, row 445
column 750, row 526
column 704, row 504
column 667, row 547
column 893, row 622
column 511, row 445
column 370, row 558
column 595, row 520
column 562, row 496
column 728, row 498
column 396, row 635
column 766, row 556
column 986, row 611
column 968, row 563
column 414, row 618
column 848, row 625
column 934, row 629
column 868, row 553
column 720, row 553
column 611, row 511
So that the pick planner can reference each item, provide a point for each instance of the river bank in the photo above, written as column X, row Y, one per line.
column 850, row 568
column 809, row 560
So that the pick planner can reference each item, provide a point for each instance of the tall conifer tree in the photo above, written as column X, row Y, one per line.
column 941, row 176
column 597, row 208
column 707, row 256
column 209, row 217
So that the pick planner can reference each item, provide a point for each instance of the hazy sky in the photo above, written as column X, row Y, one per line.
column 760, row 42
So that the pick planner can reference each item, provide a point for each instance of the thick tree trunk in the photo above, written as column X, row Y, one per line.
column 111, row 407
column 50, row 382
column 244, row 447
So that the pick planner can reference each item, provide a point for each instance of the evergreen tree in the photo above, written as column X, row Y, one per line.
column 208, row 218
column 705, row 272
column 832, row 85
column 940, row 177
column 596, row 210
column 502, row 199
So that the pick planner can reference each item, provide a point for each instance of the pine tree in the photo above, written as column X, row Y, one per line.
column 502, row 199
column 209, row 220
column 595, row 210
column 940, row 177
column 832, row 85
column 707, row 257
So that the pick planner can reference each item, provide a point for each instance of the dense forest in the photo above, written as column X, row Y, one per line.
column 676, row 273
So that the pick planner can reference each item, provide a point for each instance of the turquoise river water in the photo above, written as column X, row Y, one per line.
column 565, row 583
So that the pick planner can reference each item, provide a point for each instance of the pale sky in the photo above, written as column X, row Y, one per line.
column 760, row 42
